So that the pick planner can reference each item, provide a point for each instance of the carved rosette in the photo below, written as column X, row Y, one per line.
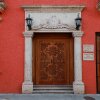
column 98, row 5
column 2, row 7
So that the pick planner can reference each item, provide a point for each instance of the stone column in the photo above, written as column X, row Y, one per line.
column 27, row 86
column 78, row 85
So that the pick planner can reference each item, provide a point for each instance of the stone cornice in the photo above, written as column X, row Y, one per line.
column 65, row 8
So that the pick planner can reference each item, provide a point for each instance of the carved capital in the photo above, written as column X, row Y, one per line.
column 77, row 34
column 28, row 34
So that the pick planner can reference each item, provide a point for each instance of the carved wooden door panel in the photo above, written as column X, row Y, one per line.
column 52, row 59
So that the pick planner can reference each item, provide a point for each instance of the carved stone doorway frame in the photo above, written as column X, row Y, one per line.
column 28, row 84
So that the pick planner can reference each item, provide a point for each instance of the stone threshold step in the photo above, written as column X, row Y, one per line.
column 55, row 92
column 53, row 87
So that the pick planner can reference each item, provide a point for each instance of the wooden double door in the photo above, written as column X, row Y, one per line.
column 53, row 59
column 98, row 61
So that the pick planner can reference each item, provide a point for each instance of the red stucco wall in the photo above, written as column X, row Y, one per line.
column 12, row 42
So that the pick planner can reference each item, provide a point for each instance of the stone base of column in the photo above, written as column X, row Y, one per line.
column 78, row 88
column 27, row 87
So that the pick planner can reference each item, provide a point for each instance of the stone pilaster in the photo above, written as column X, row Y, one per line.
column 27, row 86
column 78, row 85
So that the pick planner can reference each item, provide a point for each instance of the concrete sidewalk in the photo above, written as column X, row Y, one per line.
column 48, row 97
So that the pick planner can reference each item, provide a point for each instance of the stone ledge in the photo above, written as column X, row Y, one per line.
column 54, row 8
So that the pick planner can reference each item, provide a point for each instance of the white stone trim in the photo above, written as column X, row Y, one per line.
column 77, row 34
column 27, row 86
column 62, row 17
column 78, row 85
column 29, row 34
column 41, row 8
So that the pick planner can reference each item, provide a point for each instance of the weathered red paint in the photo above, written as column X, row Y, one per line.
column 12, row 42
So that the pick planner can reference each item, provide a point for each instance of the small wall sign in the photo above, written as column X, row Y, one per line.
column 88, row 48
column 88, row 56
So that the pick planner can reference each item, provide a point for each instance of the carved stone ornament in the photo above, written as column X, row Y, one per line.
column 98, row 5
column 52, row 23
column 53, row 18
column 2, row 6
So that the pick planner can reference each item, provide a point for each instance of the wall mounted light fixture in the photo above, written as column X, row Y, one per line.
column 29, row 22
column 78, row 22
